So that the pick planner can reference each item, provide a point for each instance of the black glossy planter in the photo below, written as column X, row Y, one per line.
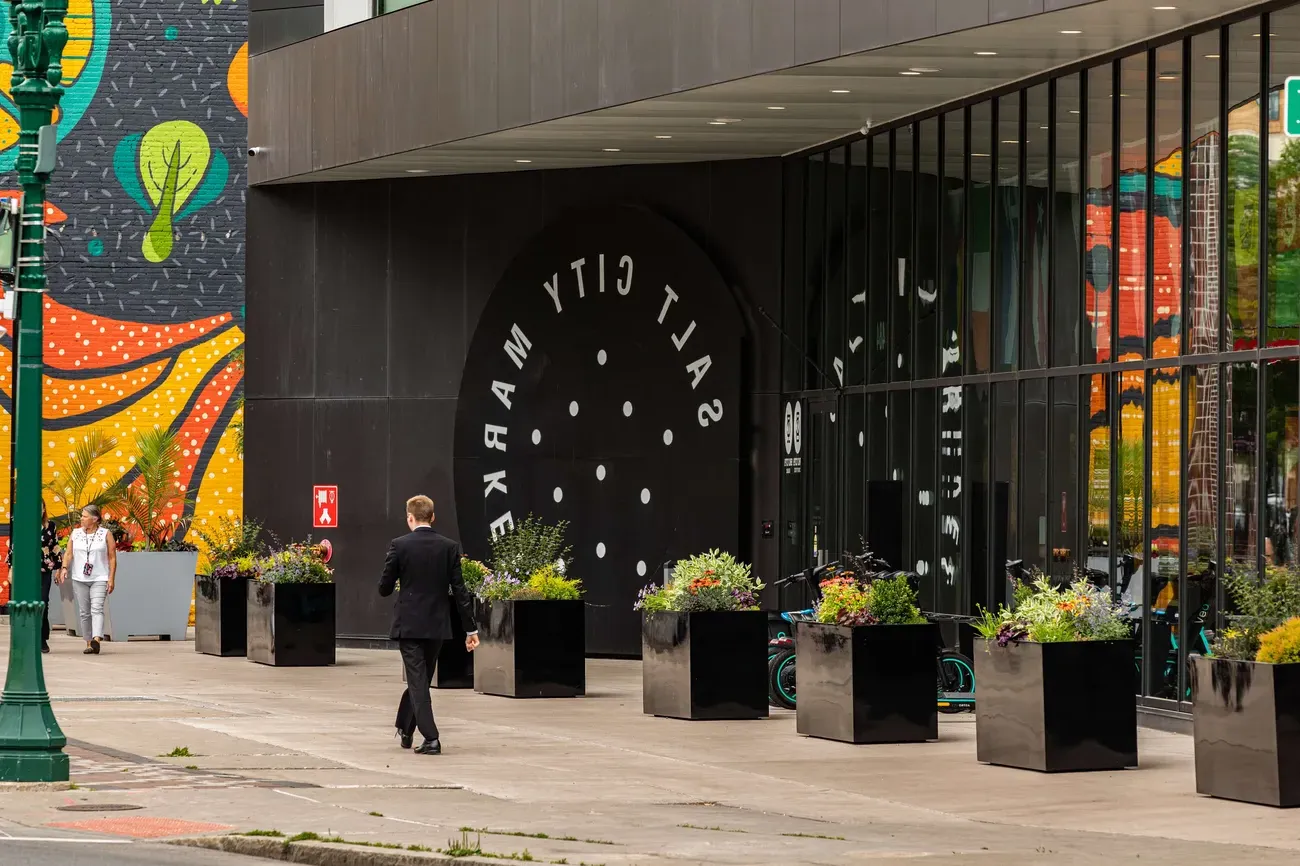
column 704, row 665
column 867, row 683
column 1246, row 722
column 455, row 668
column 1056, row 706
column 221, row 616
column 291, row 624
column 531, row 649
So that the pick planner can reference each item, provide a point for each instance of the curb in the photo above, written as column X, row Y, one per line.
column 35, row 786
column 325, row 853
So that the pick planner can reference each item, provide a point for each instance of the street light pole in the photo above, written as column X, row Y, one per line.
column 31, row 743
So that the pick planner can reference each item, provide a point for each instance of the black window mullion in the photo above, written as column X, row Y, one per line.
column 1185, row 290
column 1022, row 220
column 1265, row 51
column 1050, row 290
column 1149, row 206
column 1116, row 145
column 1224, row 339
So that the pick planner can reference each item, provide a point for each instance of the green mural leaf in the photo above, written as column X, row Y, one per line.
column 214, row 183
column 174, row 158
column 124, row 169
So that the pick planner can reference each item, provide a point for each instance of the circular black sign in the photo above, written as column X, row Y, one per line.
column 602, row 387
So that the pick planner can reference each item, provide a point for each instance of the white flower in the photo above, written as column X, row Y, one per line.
column 559, row 566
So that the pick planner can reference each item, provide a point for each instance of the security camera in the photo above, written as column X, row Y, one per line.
column 254, row 151
column 866, row 127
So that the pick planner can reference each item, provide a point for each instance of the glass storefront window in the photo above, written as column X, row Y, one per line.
column 1167, row 205
column 814, row 262
column 900, row 473
column 1241, row 297
column 1096, row 397
column 1007, row 218
column 1131, row 297
column 952, row 269
column 978, row 525
column 928, row 218
column 833, row 308
column 855, row 469
column 1005, row 463
column 1063, row 481
column 952, row 495
column 879, row 259
column 855, row 364
column 979, row 323
column 1283, row 306
column 1033, row 474
column 1066, row 215
column 903, row 273
column 1281, row 461
column 1203, row 425
column 1164, row 519
column 1099, row 258
column 1034, row 323
column 1241, row 509
column 1132, row 559
column 1204, row 198
column 925, row 500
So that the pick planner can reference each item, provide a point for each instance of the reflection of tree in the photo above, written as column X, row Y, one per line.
column 1283, row 252
column 1130, row 496
column 1242, row 295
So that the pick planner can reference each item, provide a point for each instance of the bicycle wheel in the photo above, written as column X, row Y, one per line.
column 780, row 679
column 956, row 676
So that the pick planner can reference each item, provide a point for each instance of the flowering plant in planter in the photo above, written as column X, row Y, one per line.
column 296, row 563
column 1048, row 614
column 528, row 564
column 709, row 581
column 847, row 600
column 473, row 572
column 243, row 567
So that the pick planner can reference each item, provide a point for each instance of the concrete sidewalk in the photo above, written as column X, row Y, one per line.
column 312, row 749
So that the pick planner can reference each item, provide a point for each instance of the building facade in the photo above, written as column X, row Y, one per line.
column 972, row 283
column 144, row 315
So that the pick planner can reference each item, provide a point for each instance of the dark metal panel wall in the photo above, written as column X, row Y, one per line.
column 363, row 298
column 276, row 23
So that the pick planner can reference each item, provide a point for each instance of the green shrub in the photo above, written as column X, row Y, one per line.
column 527, row 547
column 551, row 584
column 1261, row 605
column 844, row 601
column 473, row 572
column 297, row 563
column 1281, row 646
column 1047, row 614
column 893, row 601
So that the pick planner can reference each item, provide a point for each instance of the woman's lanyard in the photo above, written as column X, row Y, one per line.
column 88, row 568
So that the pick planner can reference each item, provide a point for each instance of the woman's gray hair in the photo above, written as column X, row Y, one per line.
column 93, row 511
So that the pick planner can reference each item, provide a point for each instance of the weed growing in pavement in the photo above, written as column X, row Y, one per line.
column 191, row 766
column 488, row 831
column 178, row 752
column 815, row 836
column 718, row 829
column 376, row 814
column 274, row 834
column 334, row 840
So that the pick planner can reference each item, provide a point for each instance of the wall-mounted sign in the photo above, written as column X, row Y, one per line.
column 602, row 387
column 1291, row 105
column 793, row 462
column 325, row 506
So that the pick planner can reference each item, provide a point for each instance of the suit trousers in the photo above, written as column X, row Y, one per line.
column 415, row 710
column 47, row 581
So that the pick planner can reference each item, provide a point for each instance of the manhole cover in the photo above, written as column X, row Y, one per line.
column 99, row 807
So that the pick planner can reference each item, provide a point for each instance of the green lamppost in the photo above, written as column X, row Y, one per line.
column 31, row 743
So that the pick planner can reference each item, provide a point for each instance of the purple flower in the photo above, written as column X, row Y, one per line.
column 1011, row 632
column 646, row 591
column 744, row 598
column 225, row 572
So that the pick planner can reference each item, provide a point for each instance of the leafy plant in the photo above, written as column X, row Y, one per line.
column 79, row 483
column 893, row 601
column 708, row 581
column 154, row 504
column 231, row 539
column 529, row 546
column 499, row 587
column 296, row 563
column 1262, row 606
column 1281, row 646
column 473, row 572
column 845, row 601
column 551, row 584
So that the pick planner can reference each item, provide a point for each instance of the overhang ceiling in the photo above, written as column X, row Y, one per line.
column 793, row 109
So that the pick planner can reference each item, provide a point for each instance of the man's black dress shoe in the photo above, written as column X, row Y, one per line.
column 45, row 647
column 430, row 747
column 406, row 739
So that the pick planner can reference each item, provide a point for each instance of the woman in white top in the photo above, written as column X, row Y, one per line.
column 91, row 562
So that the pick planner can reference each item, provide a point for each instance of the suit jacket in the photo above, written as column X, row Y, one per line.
column 428, row 566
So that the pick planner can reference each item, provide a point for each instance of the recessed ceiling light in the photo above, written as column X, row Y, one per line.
column 986, row 54
column 841, row 91
column 981, row 155
column 1010, row 141
column 417, row 171
column 776, row 108
column 663, row 136
column 1168, row 76
column 523, row 161
column 611, row 149
column 728, row 120
column 1211, row 57
column 908, row 72
column 1071, row 32
column 1042, row 127
column 926, row 69
column 1074, row 111
column 1164, row 8
column 717, row 123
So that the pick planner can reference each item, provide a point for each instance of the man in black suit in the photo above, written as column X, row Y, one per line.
column 427, row 566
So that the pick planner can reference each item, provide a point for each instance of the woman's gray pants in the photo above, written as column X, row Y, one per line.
column 90, row 606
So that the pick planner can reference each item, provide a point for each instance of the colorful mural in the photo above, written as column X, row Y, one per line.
column 144, row 316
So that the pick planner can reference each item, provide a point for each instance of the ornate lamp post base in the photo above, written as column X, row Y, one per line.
column 31, row 744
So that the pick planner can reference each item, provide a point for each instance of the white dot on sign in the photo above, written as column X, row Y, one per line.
column 537, row 437
column 640, row 567
column 645, row 495
column 573, row 408
column 627, row 409
column 600, row 550
column 600, row 472
column 601, row 357
column 668, row 437
column 558, row 494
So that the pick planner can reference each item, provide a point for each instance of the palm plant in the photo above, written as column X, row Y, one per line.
column 156, row 492
column 237, row 360
column 78, row 483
